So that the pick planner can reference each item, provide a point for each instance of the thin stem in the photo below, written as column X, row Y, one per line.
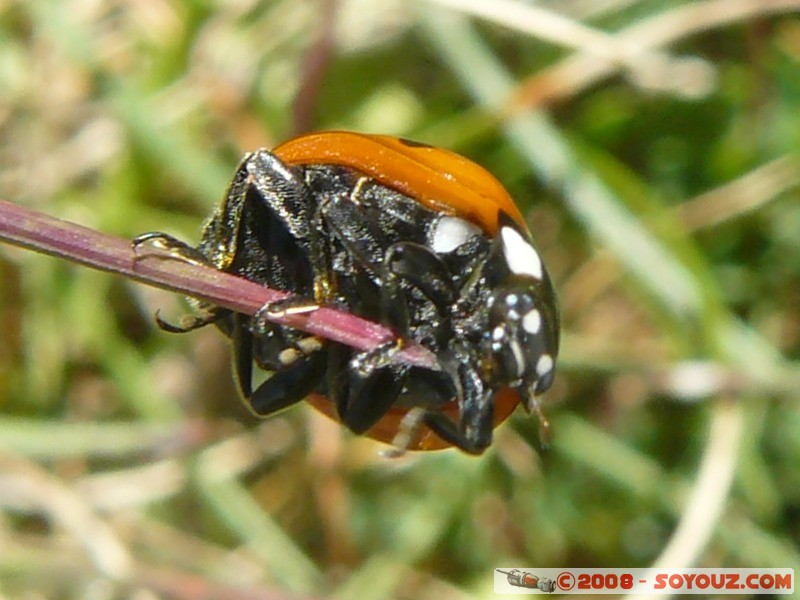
column 30, row 229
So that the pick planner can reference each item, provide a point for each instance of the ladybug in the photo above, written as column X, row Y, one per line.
column 409, row 235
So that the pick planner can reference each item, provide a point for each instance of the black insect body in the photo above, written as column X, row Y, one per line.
column 332, row 235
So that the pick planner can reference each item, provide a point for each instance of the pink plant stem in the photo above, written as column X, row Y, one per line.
column 24, row 227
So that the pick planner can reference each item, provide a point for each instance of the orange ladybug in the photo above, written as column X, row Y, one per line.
column 415, row 237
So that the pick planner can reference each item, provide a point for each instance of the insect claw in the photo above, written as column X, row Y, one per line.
column 368, row 362
column 186, row 323
column 291, row 305
column 155, row 244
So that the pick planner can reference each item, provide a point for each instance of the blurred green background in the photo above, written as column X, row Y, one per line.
column 653, row 147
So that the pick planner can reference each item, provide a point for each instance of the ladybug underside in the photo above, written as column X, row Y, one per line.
column 357, row 220
column 330, row 235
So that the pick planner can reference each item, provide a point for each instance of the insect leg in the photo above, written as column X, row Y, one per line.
column 289, row 386
column 473, row 433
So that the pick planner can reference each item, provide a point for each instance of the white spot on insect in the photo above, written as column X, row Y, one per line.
column 288, row 356
column 532, row 321
column 545, row 365
column 520, row 256
column 451, row 232
column 498, row 333
column 519, row 357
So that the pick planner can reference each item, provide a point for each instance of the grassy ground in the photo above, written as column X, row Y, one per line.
column 662, row 187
